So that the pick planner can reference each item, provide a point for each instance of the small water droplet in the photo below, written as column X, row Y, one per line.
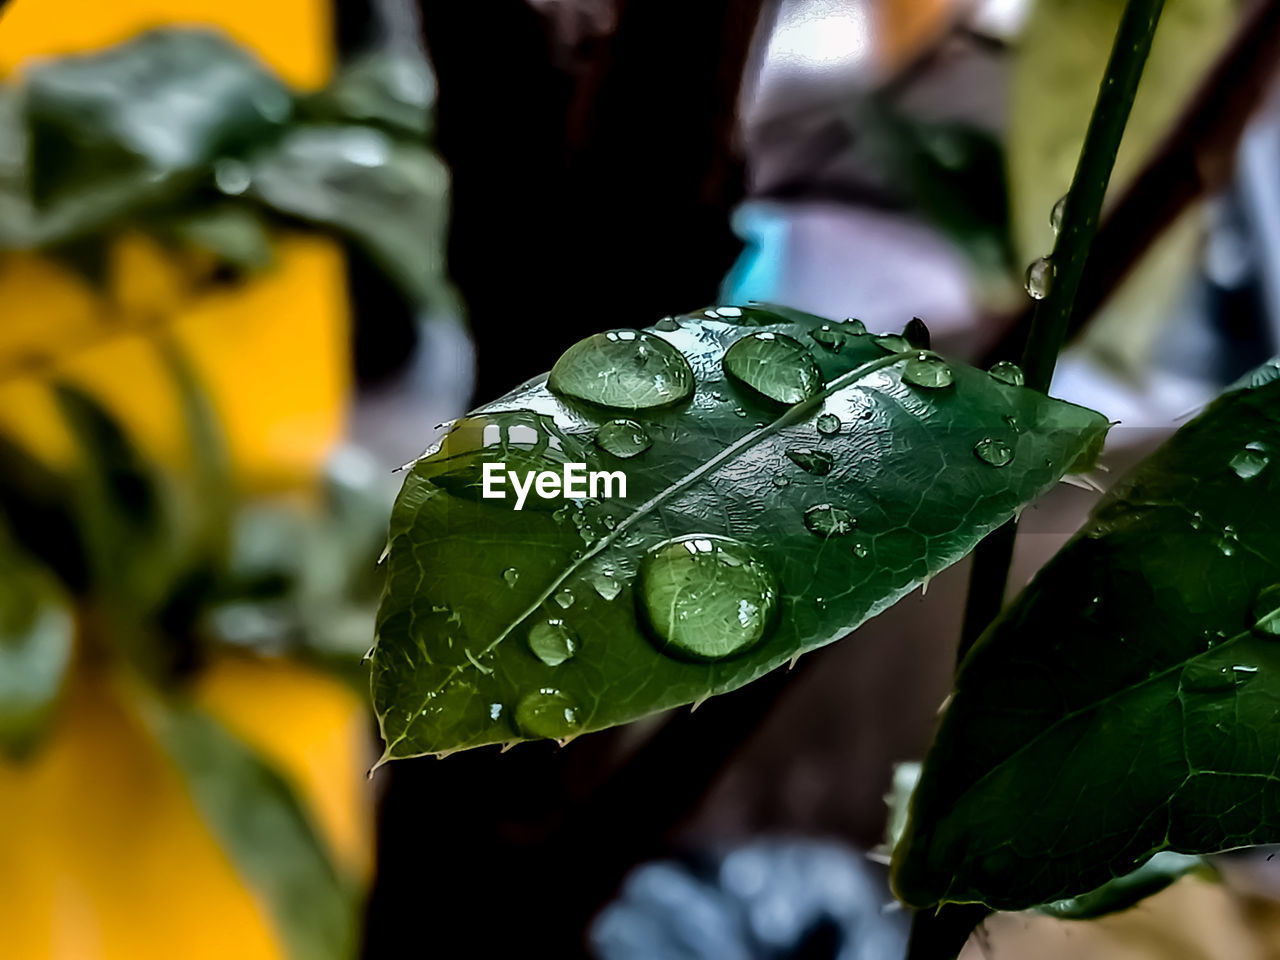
column 927, row 370
column 739, row 412
column 817, row 462
column 781, row 480
column 623, row 369
column 992, row 451
column 1200, row 677
column 1016, row 427
column 623, row 438
column 547, row 713
column 860, row 550
column 607, row 585
column 916, row 333
column 834, row 336
column 1039, row 278
column 511, row 575
column 717, row 396
column 857, row 327
column 891, row 343
column 1250, row 461
column 774, row 365
column 828, row 424
column 1055, row 215
column 565, row 599
column 829, row 521
column 706, row 597
column 667, row 325
column 552, row 642
column 1266, row 611
column 1007, row 372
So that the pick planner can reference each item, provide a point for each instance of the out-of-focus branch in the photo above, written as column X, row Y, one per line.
column 1194, row 160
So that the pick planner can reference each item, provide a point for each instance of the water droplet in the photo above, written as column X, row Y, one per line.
column 1250, row 461
column 1039, row 278
column 511, row 575
column 860, row 550
column 624, row 369
column 833, row 336
column 781, row 480
column 547, row 713
column 565, row 599
column 706, row 597
column 1200, row 677
column 623, row 438
column 552, row 642
column 1007, row 372
column 828, row 424
column 995, row 452
column 916, row 333
column 829, row 521
column 1055, row 215
column 607, row 585
column 927, row 370
column 1245, row 668
column 1016, row 427
column 739, row 412
column 855, row 326
column 892, row 343
column 817, row 462
column 745, row 316
column 1266, row 611
column 667, row 325
column 775, row 365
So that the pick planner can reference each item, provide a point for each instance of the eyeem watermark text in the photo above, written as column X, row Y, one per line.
column 574, row 483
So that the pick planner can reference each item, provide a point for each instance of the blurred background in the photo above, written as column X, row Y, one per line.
column 252, row 254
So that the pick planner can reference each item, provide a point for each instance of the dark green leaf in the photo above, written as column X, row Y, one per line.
column 389, row 197
column 253, row 811
column 234, row 233
column 167, row 100
column 1128, row 703
column 390, row 88
column 37, row 633
column 481, row 599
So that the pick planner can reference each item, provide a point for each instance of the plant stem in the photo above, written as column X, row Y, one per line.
column 1082, row 210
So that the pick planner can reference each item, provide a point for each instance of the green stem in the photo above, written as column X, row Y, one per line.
column 1081, row 212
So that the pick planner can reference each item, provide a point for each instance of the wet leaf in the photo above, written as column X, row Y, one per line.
column 1128, row 702
column 770, row 559
column 391, row 88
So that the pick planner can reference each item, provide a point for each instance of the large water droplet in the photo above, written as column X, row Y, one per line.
column 828, row 424
column 565, row 599
column 995, row 452
column 927, row 370
column 817, row 462
column 1055, row 215
column 547, row 713
column 1007, row 372
column 829, row 521
column 552, row 642
column 1266, row 611
column 511, row 575
column 623, row 438
column 624, row 369
column 775, row 365
column 892, row 343
column 1250, row 461
column 1039, row 278
column 607, row 585
column 706, row 597
column 916, row 333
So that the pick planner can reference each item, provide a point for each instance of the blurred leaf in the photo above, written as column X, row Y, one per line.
column 389, row 197
column 1127, row 703
column 234, row 233
column 167, row 100
column 36, row 503
column 266, row 832
column 390, row 88
column 840, row 505
column 1057, row 68
column 37, row 633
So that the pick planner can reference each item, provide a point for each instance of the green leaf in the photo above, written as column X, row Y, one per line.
column 390, row 88
column 1128, row 702
column 254, row 813
column 838, row 506
column 234, row 233
column 1158, row 873
column 37, row 632
column 167, row 100
column 389, row 197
